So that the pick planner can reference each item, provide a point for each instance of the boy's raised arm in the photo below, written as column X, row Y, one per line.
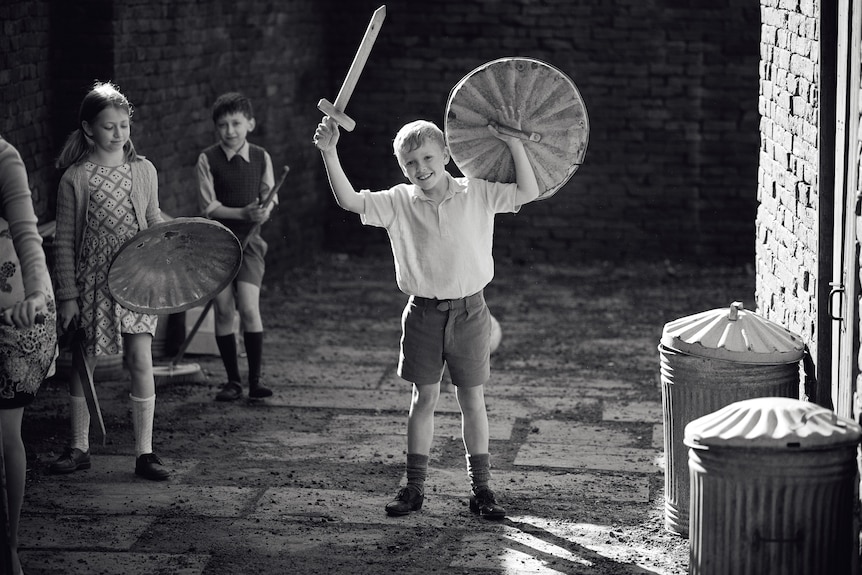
column 525, row 177
column 326, row 139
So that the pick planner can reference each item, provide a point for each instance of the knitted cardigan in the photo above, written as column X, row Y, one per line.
column 72, row 202
column 16, row 207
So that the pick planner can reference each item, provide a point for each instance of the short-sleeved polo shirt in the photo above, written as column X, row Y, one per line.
column 441, row 250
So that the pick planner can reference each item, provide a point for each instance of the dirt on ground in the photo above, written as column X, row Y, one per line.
column 560, row 323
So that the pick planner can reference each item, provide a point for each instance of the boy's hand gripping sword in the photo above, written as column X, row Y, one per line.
column 336, row 111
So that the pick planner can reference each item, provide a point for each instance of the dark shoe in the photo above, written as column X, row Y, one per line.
column 73, row 459
column 149, row 466
column 484, row 504
column 257, row 391
column 408, row 499
column 231, row 391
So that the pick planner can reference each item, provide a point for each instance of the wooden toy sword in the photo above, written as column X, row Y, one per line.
column 336, row 110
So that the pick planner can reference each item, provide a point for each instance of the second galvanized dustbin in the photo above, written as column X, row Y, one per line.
column 772, row 489
column 710, row 360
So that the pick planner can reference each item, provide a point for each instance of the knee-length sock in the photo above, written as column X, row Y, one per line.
column 417, row 470
column 227, row 349
column 254, row 352
column 79, row 414
column 479, row 470
column 143, row 412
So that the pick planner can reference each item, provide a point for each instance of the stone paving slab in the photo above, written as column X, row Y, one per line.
column 87, row 563
column 335, row 375
column 645, row 411
column 342, row 398
column 658, row 436
column 306, row 537
column 540, row 485
column 572, row 433
column 151, row 498
column 350, row 507
column 526, row 546
column 387, row 355
column 516, row 383
column 77, row 531
column 298, row 446
column 594, row 457
column 561, row 404
column 445, row 425
column 517, row 552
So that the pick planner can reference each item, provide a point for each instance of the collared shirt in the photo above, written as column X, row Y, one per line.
column 206, row 191
column 441, row 250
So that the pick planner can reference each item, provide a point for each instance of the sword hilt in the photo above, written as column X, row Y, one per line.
column 337, row 115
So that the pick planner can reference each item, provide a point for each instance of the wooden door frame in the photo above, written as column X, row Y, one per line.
column 844, row 181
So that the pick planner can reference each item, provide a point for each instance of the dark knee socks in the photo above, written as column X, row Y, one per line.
column 227, row 349
column 479, row 470
column 417, row 470
column 254, row 352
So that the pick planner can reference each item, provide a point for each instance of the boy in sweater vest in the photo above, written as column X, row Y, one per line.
column 234, row 177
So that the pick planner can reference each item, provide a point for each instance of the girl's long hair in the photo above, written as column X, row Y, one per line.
column 78, row 144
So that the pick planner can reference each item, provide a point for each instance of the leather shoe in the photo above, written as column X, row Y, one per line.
column 408, row 499
column 484, row 504
column 231, row 391
column 149, row 466
column 73, row 459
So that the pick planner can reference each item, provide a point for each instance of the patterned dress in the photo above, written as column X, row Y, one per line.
column 111, row 223
column 26, row 354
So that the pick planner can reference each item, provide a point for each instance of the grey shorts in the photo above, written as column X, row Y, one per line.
column 252, row 267
column 440, row 333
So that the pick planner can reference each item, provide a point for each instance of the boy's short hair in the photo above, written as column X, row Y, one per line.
column 416, row 133
column 230, row 103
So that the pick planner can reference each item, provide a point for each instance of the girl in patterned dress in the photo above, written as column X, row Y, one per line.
column 28, row 339
column 107, row 194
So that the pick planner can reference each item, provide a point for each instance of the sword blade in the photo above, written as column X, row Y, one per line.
column 360, row 58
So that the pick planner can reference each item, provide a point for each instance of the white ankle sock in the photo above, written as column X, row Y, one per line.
column 80, row 417
column 143, row 411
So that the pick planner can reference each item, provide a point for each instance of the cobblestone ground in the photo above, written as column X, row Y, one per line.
column 296, row 484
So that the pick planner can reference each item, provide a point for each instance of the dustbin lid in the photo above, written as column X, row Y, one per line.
column 772, row 422
column 733, row 334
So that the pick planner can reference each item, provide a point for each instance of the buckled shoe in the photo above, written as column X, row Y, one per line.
column 484, row 504
column 407, row 499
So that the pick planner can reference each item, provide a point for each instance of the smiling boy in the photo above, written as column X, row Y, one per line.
column 441, row 232
column 234, row 176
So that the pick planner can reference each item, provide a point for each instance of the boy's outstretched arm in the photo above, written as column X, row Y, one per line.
column 525, row 177
column 326, row 139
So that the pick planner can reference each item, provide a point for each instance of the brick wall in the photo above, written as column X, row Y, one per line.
column 173, row 58
column 670, row 87
column 25, row 91
column 788, row 187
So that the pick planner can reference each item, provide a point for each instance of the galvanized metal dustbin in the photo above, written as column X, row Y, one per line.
column 710, row 360
column 772, row 489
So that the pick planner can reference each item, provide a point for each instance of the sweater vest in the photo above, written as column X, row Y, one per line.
column 237, row 183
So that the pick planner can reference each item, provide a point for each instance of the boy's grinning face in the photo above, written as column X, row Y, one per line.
column 426, row 166
column 233, row 129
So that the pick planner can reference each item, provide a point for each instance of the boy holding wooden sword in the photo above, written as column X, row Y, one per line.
column 441, row 232
column 234, row 176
